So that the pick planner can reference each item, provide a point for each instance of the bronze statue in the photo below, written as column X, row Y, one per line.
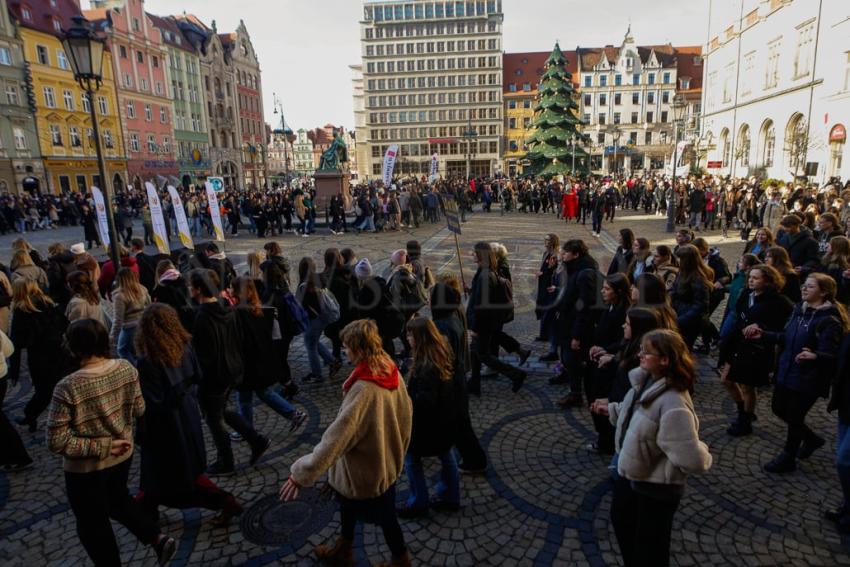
column 335, row 155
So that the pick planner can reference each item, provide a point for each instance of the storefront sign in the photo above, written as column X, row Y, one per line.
column 838, row 134
column 715, row 164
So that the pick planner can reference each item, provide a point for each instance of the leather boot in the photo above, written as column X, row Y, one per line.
column 741, row 426
column 340, row 554
column 397, row 561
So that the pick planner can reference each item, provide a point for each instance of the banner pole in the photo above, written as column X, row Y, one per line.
column 460, row 266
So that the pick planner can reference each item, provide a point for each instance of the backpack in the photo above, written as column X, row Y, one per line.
column 408, row 293
column 330, row 307
column 298, row 319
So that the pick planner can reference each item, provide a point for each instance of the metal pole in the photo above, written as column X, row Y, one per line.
column 573, row 167
column 671, row 206
column 107, row 191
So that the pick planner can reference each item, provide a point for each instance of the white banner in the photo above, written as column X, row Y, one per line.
column 389, row 164
column 215, row 211
column 180, row 215
column 160, row 233
column 434, row 161
column 100, row 209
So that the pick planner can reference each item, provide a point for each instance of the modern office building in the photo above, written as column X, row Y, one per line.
column 432, row 83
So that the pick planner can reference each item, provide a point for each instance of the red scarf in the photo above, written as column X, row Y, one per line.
column 363, row 372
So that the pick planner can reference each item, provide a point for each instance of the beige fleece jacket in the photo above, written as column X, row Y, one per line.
column 363, row 449
column 662, row 442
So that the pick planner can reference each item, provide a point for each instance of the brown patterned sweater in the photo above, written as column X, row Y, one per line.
column 90, row 408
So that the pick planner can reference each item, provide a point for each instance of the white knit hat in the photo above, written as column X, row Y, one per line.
column 363, row 269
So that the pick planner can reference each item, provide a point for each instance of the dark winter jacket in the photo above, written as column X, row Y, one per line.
column 621, row 261
column 41, row 334
column 58, row 268
column 545, row 298
column 820, row 331
column 840, row 399
column 217, row 339
column 690, row 301
column 802, row 250
column 609, row 329
column 176, row 294
column 435, row 411
column 261, row 355
column 577, row 298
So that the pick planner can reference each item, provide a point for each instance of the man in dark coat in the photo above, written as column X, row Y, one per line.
column 801, row 245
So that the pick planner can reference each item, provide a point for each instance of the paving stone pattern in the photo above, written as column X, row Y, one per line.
column 544, row 499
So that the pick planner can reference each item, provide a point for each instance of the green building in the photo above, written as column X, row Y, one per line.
column 21, row 168
column 191, row 139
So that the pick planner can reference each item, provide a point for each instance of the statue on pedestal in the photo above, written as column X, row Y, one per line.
column 335, row 156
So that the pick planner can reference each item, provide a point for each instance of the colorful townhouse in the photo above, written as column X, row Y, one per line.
column 62, row 118
column 249, row 91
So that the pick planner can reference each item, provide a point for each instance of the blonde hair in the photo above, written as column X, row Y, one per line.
column 26, row 294
column 21, row 244
column 430, row 348
column 364, row 346
column 20, row 259
column 129, row 286
column 253, row 259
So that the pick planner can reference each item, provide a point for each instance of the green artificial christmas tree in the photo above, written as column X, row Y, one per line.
column 556, row 135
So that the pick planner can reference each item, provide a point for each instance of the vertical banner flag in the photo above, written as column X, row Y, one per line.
column 100, row 208
column 180, row 215
column 215, row 211
column 434, row 160
column 389, row 164
column 160, row 234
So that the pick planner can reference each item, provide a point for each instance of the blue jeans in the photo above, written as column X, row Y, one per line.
column 271, row 398
column 315, row 348
column 367, row 224
column 195, row 226
column 842, row 460
column 447, row 489
column 125, row 347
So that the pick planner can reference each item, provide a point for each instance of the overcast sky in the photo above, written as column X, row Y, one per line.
column 306, row 46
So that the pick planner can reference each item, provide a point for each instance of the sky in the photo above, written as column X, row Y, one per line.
column 306, row 46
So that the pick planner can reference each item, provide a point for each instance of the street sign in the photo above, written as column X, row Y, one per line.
column 217, row 183
column 715, row 164
column 452, row 216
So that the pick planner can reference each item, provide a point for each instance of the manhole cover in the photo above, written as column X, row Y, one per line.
column 272, row 522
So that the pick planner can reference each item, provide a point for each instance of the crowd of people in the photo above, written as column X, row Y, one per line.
column 138, row 357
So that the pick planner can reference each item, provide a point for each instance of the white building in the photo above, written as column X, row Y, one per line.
column 358, row 153
column 776, row 94
column 432, row 83
column 627, row 94
column 280, row 152
column 303, row 150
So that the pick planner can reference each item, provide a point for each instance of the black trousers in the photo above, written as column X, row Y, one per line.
column 42, row 394
column 609, row 214
column 466, row 441
column 481, row 350
column 503, row 340
column 642, row 525
column 792, row 408
column 96, row 497
column 13, row 452
column 597, row 385
column 214, row 406
column 596, row 219
column 379, row 510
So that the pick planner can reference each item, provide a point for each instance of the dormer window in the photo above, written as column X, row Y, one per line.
column 57, row 26
column 630, row 62
column 25, row 13
column 685, row 83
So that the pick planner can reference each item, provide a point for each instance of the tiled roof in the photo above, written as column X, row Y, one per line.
column 689, row 64
column 43, row 14
column 171, row 31
column 590, row 56
column 522, row 68
column 227, row 38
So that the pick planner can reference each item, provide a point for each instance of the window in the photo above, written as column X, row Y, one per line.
column 588, row 100
column 57, row 26
column 74, row 135
column 68, row 97
column 665, row 78
column 650, row 79
column 20, row 139
column 600, row 138
column 85, row 103
column 636, row 79
column 634, row 118
column 163, row 116
column 803, row 54
column 151, row 143
column 107, row 139
column 649, row 117
column 633, row 138
column 769, row 144
column 155, row 62
column 616, row 118
column 635, row 98
column 588, row 80
column 128, row 80
column 122, row 51
column 55, row 135
column 41, row 53
column 603, row 80
column 618, row 80
column 618, row 98
column 49, row 97
column 603, row 99
column 104, row 106
column 771, row 77
column 143, row 84
column 134, row 142
column 12, row 94
column 526, row 87
column 131, row 109
column 140, row 58
column 602, row 117
column 664, row 116
column 526, row 104
column 647, row 138
column 25, row 13
column 148, row 113
column 5, row 59
column 650, row 98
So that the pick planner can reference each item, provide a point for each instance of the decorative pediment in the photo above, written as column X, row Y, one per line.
column 652, row 60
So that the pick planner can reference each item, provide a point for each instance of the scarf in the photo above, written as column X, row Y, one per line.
column 363, row 372
column 169, row 275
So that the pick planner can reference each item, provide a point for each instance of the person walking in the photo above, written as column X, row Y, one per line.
column 14, row 456
column 690, row 293
column 363, row 449
column 323, row 310
column 657, row 439
column 85, row 302
column 129, row 299
column 170, row 434
column 90, row 424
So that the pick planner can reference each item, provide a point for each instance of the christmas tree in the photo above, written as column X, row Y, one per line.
column 556, row 134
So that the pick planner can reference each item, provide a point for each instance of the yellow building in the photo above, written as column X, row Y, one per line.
column 522, row 72
column 62, row 114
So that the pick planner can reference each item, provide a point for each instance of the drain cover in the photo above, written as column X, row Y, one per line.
column 272, row 522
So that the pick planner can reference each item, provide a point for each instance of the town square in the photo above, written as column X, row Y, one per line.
column 424, row 282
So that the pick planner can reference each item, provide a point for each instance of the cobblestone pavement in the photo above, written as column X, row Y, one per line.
column 543, row 501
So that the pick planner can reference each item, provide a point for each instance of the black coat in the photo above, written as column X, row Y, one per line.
column 176, row 294
column 791, row 289
column 58, row 268
column 840, row 399
column 751, row 361
column 261, row 354
column 802, row 250
column 41, row 334
column 217, row 339
column 435, row 412
column 171, row 436
column 545, row 298
column 690, row 301
column 609, row 329
column 621, row 261
column 577, row 298
column 372, row 301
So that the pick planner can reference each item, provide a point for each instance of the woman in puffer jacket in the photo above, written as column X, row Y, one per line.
column 657, row 440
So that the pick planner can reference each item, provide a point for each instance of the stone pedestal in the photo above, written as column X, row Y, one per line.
column 329, row 184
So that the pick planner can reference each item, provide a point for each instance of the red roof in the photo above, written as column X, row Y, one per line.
column 43, row 14
column 520, row 68
column 689, row 64
column 687, row 59
column 168, row 24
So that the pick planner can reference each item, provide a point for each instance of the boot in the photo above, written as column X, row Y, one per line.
column 397, row 561
column 741, row 426
column 783, row 463
column 340, row 554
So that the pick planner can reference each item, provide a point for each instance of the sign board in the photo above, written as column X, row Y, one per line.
column 452, row 215
column 715, row 164
column 160, row 233
column 838, row 134
column 100, row 209
column 389, row 165
column 217, row 183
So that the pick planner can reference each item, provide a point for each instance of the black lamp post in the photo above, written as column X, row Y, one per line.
column 85, row 52
column 679, row 106
column 278, row 109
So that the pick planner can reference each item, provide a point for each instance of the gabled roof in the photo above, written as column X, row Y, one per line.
column 43, row 15
column 522, row 68
column 227, row 38
column 689, row 64
column 171, row 31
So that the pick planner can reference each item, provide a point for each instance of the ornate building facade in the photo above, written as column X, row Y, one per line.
column 249, row 99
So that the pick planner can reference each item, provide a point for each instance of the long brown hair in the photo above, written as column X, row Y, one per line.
column 774, row 279
column 81, row 284
column 20, row 259
column 430, row 348
column 829, row 289
column 363, row 342
column 839, row 254
column 28, row 297
column 780, row 260
column 246, row 295
column 692, row 267
column 680, row 374
column 129, row 286
column 486, row 255
column 160, row 335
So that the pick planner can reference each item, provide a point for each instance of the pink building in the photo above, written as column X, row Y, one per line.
column 139, row 60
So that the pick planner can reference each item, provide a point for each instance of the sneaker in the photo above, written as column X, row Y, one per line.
column 259, row 450
column 810, row 446
column 299, row 418
column 220, row 469
column 784, row 463
column 165, row 549
column 523, row 356
column 17, row 467
column 235, row 436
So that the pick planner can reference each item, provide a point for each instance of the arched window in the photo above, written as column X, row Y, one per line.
column 768, row 143
column 742, row 152
column 796, row 142
column 725, row 147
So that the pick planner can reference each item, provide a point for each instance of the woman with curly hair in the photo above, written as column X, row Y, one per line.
column 363, row 449
column 172, row 440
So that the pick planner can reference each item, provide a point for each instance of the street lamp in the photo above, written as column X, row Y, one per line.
column 85, row 51
column 469, row 135
column 679, row 107
column 278, row 109
column 615, row 135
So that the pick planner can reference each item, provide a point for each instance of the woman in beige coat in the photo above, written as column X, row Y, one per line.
column 658, row 445
column 363, row 449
